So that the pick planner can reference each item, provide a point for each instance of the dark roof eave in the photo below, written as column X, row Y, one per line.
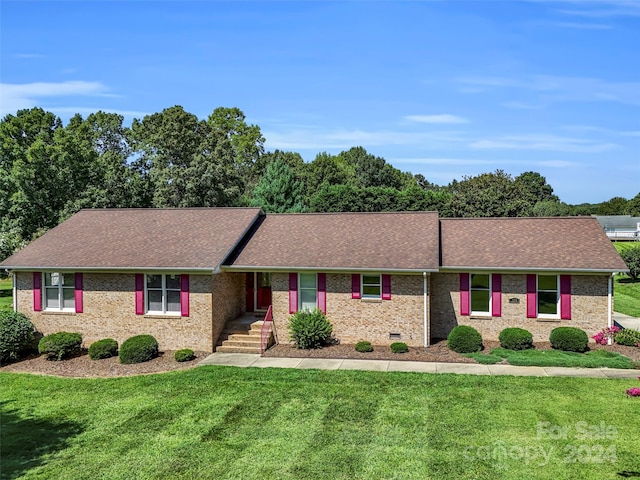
column 197, row 270
column 264, row 268
column 532, row 269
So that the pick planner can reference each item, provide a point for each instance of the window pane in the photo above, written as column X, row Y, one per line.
column 307, row 299
column 308, row 280
column 371, row 290
column 154, row 281
column 547, row 282
column 371, row 279
column 173, row 282
column 51, row 279
column 67, row 279
column 479, row 281
column 173, row 301
column 548, row 303
column 264, row 279
column 154, row 299
column 68, row 298
column 51, row 298
column 480, row 300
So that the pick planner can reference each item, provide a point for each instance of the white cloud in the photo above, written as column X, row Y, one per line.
column 543, row 142
column 14, row 97
column 28, row 55
column 88, row 111
column 445, row 118
column 524, row 105
column 582, row 26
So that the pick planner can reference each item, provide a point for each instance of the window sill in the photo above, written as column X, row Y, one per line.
column 371, row 300
column 546, row 319
column 480, row 317
column 58, row 312
column 163, row 315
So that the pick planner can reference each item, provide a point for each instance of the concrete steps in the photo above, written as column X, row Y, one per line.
column 241, row 335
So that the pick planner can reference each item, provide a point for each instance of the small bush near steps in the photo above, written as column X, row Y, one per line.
column 464, row 339
column 515, row 339
column 364, row 346
column 184, row 355
column 628, row 337
column 569, row 339
column 60, row 345
column 105, row 348
column 138, row 349
column 399, row 347
column 309, row 329
column 16, row 335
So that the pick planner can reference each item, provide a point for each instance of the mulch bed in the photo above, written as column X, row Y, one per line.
column 82, row 366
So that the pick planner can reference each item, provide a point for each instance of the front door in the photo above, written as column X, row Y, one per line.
column 263, row 290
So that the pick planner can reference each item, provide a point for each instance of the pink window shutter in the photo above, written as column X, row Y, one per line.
column 565, row 297
column 532, row 296
column 37, row 291
column 496, row 295
column 465, row 301
column 355, row 286
column 78, row 293
column 386, row 287
column 184, row 295
column 322, row 292
column 293, row 292
column 139, row 294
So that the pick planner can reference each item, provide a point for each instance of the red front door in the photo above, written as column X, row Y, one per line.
column 263, row 290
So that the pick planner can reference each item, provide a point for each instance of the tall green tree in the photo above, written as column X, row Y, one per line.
column 329, row 169
column 613, row 206
column 372, row 171
column 279, row 191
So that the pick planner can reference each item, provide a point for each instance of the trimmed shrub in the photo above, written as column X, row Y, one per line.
column 184, row 355
column 16, row 335
column 464, row 339
column 515, row 339
column 60, row 345
column 309, row 329
column 138, row 349
column 364, row 346
column 569, row 339
column 628, row 337
column 631, row 257
column 399, row 347
column 105, row 348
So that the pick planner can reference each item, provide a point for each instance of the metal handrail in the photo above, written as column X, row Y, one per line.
column 265, row 330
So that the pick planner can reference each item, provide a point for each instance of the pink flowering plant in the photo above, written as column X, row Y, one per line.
column 634, row 392
column 603, row 336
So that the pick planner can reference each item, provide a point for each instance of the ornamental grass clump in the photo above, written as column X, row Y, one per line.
column 464, row 339
column 184, row 355
column 364, row 347
column 138, row 349
column 16, row 335
column 60, row 345
column 569, row 339
column 309, row 329
column 628, row 337
column 516, row 339
column 105, row 348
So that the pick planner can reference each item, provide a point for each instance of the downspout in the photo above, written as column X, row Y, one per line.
column 609, row 305
column 15, row 291
column 426, row 323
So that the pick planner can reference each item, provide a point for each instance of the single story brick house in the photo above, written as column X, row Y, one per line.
column 183, row 274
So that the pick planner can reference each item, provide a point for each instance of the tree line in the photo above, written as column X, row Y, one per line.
column 49, row 171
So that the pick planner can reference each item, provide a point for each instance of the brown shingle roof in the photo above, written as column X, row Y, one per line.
column 344, row 241
column 576, row 243
column 190, row 238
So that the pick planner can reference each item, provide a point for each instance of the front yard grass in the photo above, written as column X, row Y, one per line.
column 225, row 422
column 555, row 358
column 626, row 296
column 6, row 293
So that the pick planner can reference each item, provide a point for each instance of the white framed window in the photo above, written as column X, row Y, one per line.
column 548, row 296
column 59, row 291
column 307, row 291
column 371, row 286
column 480, row 293
column 162, row 293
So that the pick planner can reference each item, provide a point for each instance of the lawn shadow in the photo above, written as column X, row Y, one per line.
column 27, row 441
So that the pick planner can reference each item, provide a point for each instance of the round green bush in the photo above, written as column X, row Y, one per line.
column 464, row 339
column 399, row 347
column 16, row 335
column 104, row 348
column 138, row 349
column 515, row 339
column 309, row 329
column 184, row 355
column 569, row 339
column 364, row 346
column 628, row 337
column 60, row 345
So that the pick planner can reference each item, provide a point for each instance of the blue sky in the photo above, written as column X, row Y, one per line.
column 445, row 89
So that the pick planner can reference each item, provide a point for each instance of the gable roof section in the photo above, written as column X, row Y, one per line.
column 547, row 244
column 406, row 241
column 137, row 239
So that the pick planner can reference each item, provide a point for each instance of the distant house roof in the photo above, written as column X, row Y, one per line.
column 619, row 222
column 406, row 241
column 135, row 239
column 553, row 244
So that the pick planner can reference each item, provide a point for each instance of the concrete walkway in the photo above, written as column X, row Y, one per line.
column 626, row 321
column 254, row 360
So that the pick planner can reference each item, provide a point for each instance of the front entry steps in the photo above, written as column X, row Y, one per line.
column 241, row 335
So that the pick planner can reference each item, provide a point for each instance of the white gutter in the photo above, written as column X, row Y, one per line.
column 609, row 305
column 426, row 322
column 15, row 292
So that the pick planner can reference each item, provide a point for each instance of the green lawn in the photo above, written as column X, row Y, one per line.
column 556, row 358
column 626, row 293
column 6, row 293
column 232, row 423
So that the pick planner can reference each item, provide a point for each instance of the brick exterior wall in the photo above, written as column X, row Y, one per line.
column 361, row 319
column 589, row 298
column 109, row 310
